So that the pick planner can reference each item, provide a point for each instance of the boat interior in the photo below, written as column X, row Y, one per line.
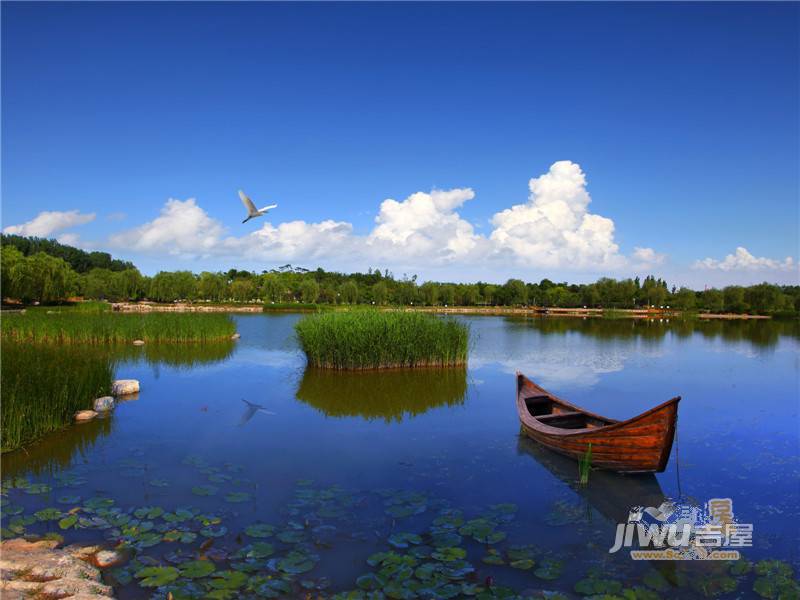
column 550, row 412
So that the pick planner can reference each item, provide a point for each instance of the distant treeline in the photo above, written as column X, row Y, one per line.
column 49, row 272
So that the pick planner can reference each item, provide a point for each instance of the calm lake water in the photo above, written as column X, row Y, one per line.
column 299, row 499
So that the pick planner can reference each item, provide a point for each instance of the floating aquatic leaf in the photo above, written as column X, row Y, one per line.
column 179, row 516
column 656, row 581
column 197, row 568
column 68, row 522
column 445, row 539
column 236, row 497
column 370, row 582
column 291, row 536
column 48, row 514
column 639, row 593
column 213, row 531
column 449, row 554
column 228, row 580
column 493, row 557
column 37, row 488
column 219, row 478
column 176, row 535
column 592, row 586
column 156, row 576
column 148, row 539
column 296, row 562
column 260, row 530
column 549, row 569
column 96, row 503
column 68, row 499
column 403, row 540
column 258, row 550
column 741, row 567
column 204, row 490
column 273, row 588
column 148, row 512
column 524, row 564
column 158, row 483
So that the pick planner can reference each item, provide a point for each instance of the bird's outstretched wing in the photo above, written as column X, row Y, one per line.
column 248, row 204
column 266, row 208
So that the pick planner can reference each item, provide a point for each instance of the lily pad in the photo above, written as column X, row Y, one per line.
column 549, row 569
column 197, row 568
column 68, row 522
column 296, row 562
column 449, row 554
column 236, row 497
column 403, row 540
column 260, row 530
column 148, row 512
column 48, row 514
column 204, row 490
column 228, row 580
column 213, row 531
column 156, row 576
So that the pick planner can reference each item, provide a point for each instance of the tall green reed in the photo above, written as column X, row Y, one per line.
column 44, row 385
column 85, row 327
column 372, row 339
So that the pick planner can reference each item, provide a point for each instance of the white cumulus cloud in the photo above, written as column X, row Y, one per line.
column 425, row 224
column 182, row 229
column 48, row 222
column 648, row 257
column 555, row 228
column 743, row 260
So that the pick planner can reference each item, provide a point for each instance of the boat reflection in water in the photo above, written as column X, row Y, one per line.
column 391, row 395
column 611, row 494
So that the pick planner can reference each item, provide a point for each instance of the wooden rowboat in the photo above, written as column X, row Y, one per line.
column 639, row 445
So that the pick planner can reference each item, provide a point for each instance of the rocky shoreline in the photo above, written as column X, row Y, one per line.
column 40, row 569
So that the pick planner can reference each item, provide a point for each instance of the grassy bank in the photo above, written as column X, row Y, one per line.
column 100, row 327
column 371, row 339
column 44, row 385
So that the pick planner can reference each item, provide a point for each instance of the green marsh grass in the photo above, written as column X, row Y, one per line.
column 372, row 339
column 44, row 385
column 585, row 466
column 101, row 327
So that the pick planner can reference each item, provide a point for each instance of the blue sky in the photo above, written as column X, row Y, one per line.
column 679, row 120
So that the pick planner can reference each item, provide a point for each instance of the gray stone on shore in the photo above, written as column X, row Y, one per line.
column 85, row 415
column 40, row 570
column 138, row 342
column 123, row 387
column 103, row 404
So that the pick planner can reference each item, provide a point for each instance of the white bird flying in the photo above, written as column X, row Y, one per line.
column 252, row 211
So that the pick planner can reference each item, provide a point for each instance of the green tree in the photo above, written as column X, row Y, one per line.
column 515, row 293
column 380, row 292
column 734, row 299
column 429, row 292
column 348, row 292
column 684, row 299
column 271, row 288
column 309, row 291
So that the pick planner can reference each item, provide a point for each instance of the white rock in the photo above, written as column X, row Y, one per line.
column 236, row 336
column 85, row 415
column 138, row 342
column 122, row 387
column 103, row 404
column 108, row 558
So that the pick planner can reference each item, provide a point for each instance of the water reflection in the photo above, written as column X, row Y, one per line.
column 185, row 356
column 758, row 332
column 58, row 451
column 390, row 395
column 610, row 494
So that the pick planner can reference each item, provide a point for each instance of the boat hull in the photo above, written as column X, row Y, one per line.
column 638, row 445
